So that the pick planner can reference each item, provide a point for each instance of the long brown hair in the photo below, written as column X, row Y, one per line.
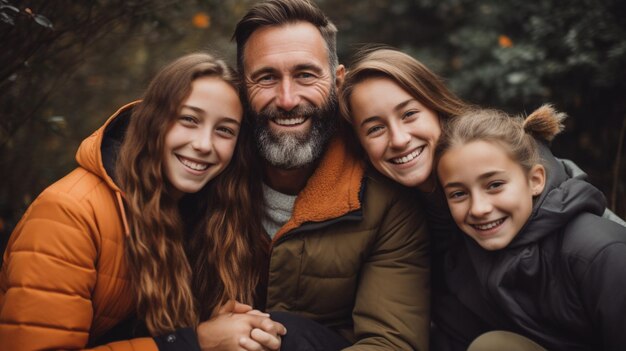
column 212, row 240
column 410, row 74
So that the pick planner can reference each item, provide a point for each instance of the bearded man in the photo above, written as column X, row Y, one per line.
column 348, row 264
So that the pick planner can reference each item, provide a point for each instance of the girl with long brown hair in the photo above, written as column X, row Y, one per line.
column 155, row 226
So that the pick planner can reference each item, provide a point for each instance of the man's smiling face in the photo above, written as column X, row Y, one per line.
column 291, row 93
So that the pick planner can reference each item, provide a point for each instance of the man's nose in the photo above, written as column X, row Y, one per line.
column 287, row 98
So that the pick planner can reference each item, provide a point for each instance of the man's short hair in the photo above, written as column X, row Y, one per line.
column 281, row 12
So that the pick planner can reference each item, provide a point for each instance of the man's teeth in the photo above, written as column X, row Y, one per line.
column 489, row 225
column 289, row 121
column 194, row 165
column 409, row 157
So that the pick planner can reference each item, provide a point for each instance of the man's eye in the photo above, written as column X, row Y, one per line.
column 305, row 75
column 266, row 79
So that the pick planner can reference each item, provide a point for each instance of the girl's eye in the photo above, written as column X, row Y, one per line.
column 374, row 130
column 188, row 119
column 410, row 114
column 456, row 195
column 495, row 184
column 227, row 131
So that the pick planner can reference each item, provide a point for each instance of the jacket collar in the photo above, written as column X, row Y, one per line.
column 332, row 191
column 562, row 199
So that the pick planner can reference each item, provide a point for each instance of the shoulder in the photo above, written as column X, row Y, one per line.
column 391, row 206
column 588, row 237
column 591, row 233
column 80, row 205
column 81, row 189
column 384, row 191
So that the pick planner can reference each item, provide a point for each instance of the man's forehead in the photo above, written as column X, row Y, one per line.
column 286, row 45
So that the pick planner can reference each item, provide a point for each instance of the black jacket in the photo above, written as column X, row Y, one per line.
column 561, row 282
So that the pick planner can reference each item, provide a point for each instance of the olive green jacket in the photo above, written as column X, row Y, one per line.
column 354, row 257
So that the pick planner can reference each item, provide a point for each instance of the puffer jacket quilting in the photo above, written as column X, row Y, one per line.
column 64, row 279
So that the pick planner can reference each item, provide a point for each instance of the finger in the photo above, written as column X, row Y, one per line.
column 227, row 307
column 241, row 307
column 233, row 306
column 267, row 325
column 250, row 345
column 258, row 313
column 270, row 341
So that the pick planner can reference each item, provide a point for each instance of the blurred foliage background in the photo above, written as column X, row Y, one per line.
column 65, row 66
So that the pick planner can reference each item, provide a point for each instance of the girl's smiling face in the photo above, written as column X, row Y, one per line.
column 398, row 132
column 490, row 195
column 200, row 143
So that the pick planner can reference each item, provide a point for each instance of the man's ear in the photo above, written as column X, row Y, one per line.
column 537, row 179
column 340, row 73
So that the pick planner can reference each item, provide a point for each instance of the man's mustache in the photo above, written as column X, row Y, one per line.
column 298, row 111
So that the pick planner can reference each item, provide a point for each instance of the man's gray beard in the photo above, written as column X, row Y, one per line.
column 295, row 150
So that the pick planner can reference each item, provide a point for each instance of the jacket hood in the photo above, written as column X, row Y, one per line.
column 332, row 191
column 98, row 152
column 562, row 199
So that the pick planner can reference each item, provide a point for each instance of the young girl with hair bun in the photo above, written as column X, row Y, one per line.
column 541, row 268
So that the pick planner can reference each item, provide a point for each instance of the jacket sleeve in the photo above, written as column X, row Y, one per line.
column 392, row 302
column 604, row 294
column 48, row 276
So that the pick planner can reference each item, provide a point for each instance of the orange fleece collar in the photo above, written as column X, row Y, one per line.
column 331, row 192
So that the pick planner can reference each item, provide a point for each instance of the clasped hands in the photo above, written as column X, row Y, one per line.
column 237, row 327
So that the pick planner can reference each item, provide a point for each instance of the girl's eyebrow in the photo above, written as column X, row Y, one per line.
column 202, row 112
column 397, row 108
column 230, row 120
column 194, row 108
column 403, row 104
column 489, row 174
column 483, row 176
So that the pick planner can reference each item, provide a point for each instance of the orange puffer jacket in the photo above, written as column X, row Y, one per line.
column 64, row 281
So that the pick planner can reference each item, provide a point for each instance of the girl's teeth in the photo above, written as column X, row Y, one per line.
column 409, row 157
column 489, row 225
column 193, row 165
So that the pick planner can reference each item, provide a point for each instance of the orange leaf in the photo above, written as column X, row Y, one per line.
column 201, row 20
column 505, row 41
